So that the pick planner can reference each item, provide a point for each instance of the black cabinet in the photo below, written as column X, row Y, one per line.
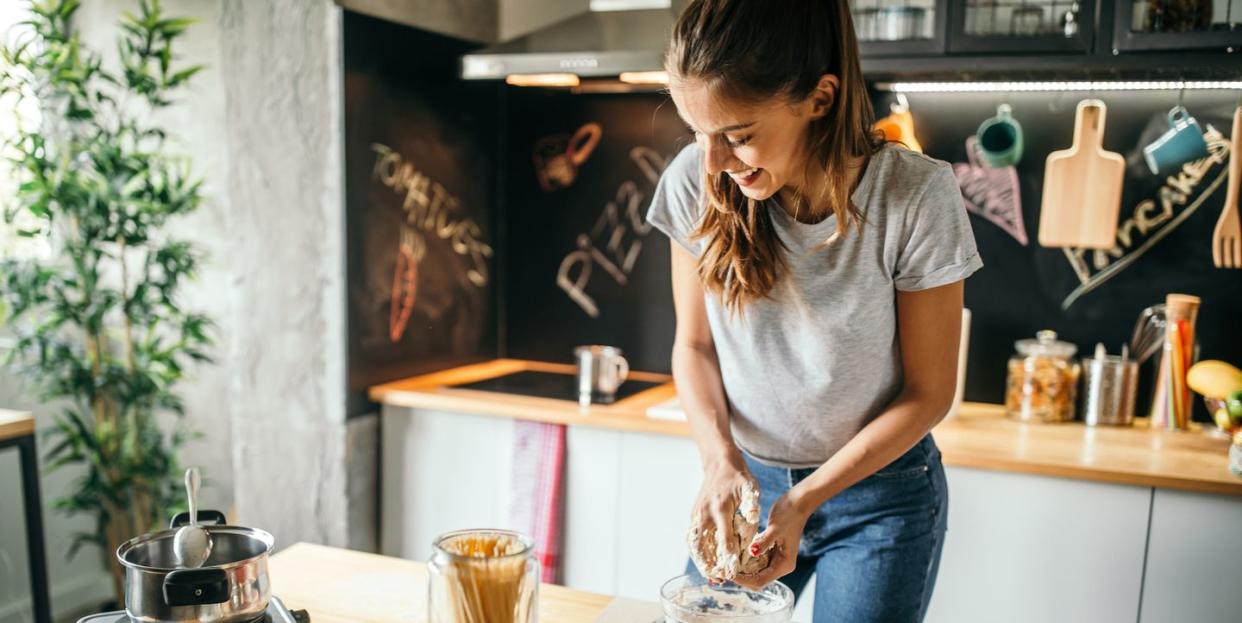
column 897, row 28
column 1050, row 39
column 1022, row 26
column 1160, row 25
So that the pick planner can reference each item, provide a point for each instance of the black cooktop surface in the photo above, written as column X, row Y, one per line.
column 552, row 385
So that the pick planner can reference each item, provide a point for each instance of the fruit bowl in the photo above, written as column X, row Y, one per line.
column 1226, row 414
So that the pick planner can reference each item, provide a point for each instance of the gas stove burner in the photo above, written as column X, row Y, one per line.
column 276, row 613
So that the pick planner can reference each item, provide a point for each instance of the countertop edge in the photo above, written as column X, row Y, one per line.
column 428, row 392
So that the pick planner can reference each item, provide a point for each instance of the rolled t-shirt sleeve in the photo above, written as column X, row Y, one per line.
column 675, row 206
column 938, row 245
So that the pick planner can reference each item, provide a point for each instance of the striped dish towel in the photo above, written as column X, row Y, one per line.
column 537, row 488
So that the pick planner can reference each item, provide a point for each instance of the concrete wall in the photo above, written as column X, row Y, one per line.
column 263, row 126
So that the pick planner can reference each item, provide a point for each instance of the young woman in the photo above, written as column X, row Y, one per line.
column 817, row 279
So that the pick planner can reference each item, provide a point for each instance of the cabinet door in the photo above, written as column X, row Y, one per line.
column 441, row 472
column 899, row 27
column 1194, row 561
column 1152, row 25
column 660, row 477
column 1023, row 548
column 981, row 27
column 592, row 475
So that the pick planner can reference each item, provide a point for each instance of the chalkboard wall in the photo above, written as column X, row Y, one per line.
column 486, row 220
column 420, row 233
column 1020, row 290
column 1170, row 219
column 582, row 266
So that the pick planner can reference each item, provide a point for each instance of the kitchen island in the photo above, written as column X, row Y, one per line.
column 1046, row 521
column 342, row 586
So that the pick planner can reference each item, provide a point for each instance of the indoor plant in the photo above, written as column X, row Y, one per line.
column 98, row 325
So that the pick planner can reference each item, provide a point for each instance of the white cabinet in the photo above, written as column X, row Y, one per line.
column 589, row 548
column 1033, row 548
column 1019, row 548
column 660, row 477
column 1194, row 558
column 627, row 495
column 441, row 472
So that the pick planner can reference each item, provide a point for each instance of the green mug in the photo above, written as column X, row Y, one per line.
column 999, row 139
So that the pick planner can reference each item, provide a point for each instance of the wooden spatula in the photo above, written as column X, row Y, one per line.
column 1227, row 239
column 1082, row 187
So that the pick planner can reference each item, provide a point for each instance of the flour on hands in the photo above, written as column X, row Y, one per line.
column 710, row 554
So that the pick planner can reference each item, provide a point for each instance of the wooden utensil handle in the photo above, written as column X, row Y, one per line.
column 1089, row 124
column 1235, row 162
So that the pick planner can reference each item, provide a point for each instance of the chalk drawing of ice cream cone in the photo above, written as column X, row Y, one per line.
column 991, row 193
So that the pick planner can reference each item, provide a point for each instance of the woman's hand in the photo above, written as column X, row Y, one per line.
column 780, row 539
column 718, row 499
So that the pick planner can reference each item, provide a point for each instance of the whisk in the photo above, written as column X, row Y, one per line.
column 1149, row 333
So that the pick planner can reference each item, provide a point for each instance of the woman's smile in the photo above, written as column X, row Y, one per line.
column 746, row 177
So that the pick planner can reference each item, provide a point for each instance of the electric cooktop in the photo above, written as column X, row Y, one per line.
column 552, row 385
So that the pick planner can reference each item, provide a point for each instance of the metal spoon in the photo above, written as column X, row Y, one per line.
column 192, row 544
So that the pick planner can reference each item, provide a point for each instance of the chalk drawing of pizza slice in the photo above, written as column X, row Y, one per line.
column 991, row 193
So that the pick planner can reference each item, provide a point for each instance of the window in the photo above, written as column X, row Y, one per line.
column 14, row 113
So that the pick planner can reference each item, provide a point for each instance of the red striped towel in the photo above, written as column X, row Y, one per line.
column 537, row 487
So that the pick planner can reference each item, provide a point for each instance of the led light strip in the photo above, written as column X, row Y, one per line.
column 1016, row 87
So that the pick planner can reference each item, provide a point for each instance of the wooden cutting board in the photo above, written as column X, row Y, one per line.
column 1082, row 187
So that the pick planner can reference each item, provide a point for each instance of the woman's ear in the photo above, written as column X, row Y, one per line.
column 824, row 95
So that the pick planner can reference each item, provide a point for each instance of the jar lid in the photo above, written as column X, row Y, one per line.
column 1045, row 344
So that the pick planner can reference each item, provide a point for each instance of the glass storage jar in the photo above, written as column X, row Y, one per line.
column 1043, row 379
column 483, row 576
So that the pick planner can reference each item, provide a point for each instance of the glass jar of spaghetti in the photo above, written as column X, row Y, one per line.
column 1043, row 379
column 483, row 576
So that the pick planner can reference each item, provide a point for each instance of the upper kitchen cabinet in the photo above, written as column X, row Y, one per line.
column 888, row 28
column 1049, row 39
column 1158, row 25
column 982, row 27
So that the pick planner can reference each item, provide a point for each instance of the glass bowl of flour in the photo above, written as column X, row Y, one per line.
column 690, row 599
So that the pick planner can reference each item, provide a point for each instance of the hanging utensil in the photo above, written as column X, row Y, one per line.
column 1148, row 333
column 1082, row 186
column 1227, row 238
column 899, row 124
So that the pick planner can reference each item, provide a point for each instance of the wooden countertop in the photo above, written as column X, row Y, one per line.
column 981, row 436
column 15, row 424
column 978, row 436
column 431, row 391
column 342, row 586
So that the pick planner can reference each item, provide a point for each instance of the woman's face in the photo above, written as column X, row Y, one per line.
column 762, row 147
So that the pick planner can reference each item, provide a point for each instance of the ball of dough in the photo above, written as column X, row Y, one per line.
column 712, row 557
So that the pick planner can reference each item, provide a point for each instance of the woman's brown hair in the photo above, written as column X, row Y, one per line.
column 751, row 51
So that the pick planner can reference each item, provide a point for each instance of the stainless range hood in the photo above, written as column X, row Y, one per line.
column 613, row 37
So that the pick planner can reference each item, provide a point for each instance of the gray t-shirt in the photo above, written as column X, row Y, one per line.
column 805, row 369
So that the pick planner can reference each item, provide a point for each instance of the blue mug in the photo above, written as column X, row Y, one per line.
column 1181, row 143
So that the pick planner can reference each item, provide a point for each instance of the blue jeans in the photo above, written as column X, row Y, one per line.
column 875, row 547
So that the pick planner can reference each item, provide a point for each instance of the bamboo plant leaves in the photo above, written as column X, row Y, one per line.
column 99, row 323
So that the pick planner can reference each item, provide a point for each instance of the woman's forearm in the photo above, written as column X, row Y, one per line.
column 891, row 434
column 696, row 372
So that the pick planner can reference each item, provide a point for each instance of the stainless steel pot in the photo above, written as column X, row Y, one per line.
column 232, row 587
